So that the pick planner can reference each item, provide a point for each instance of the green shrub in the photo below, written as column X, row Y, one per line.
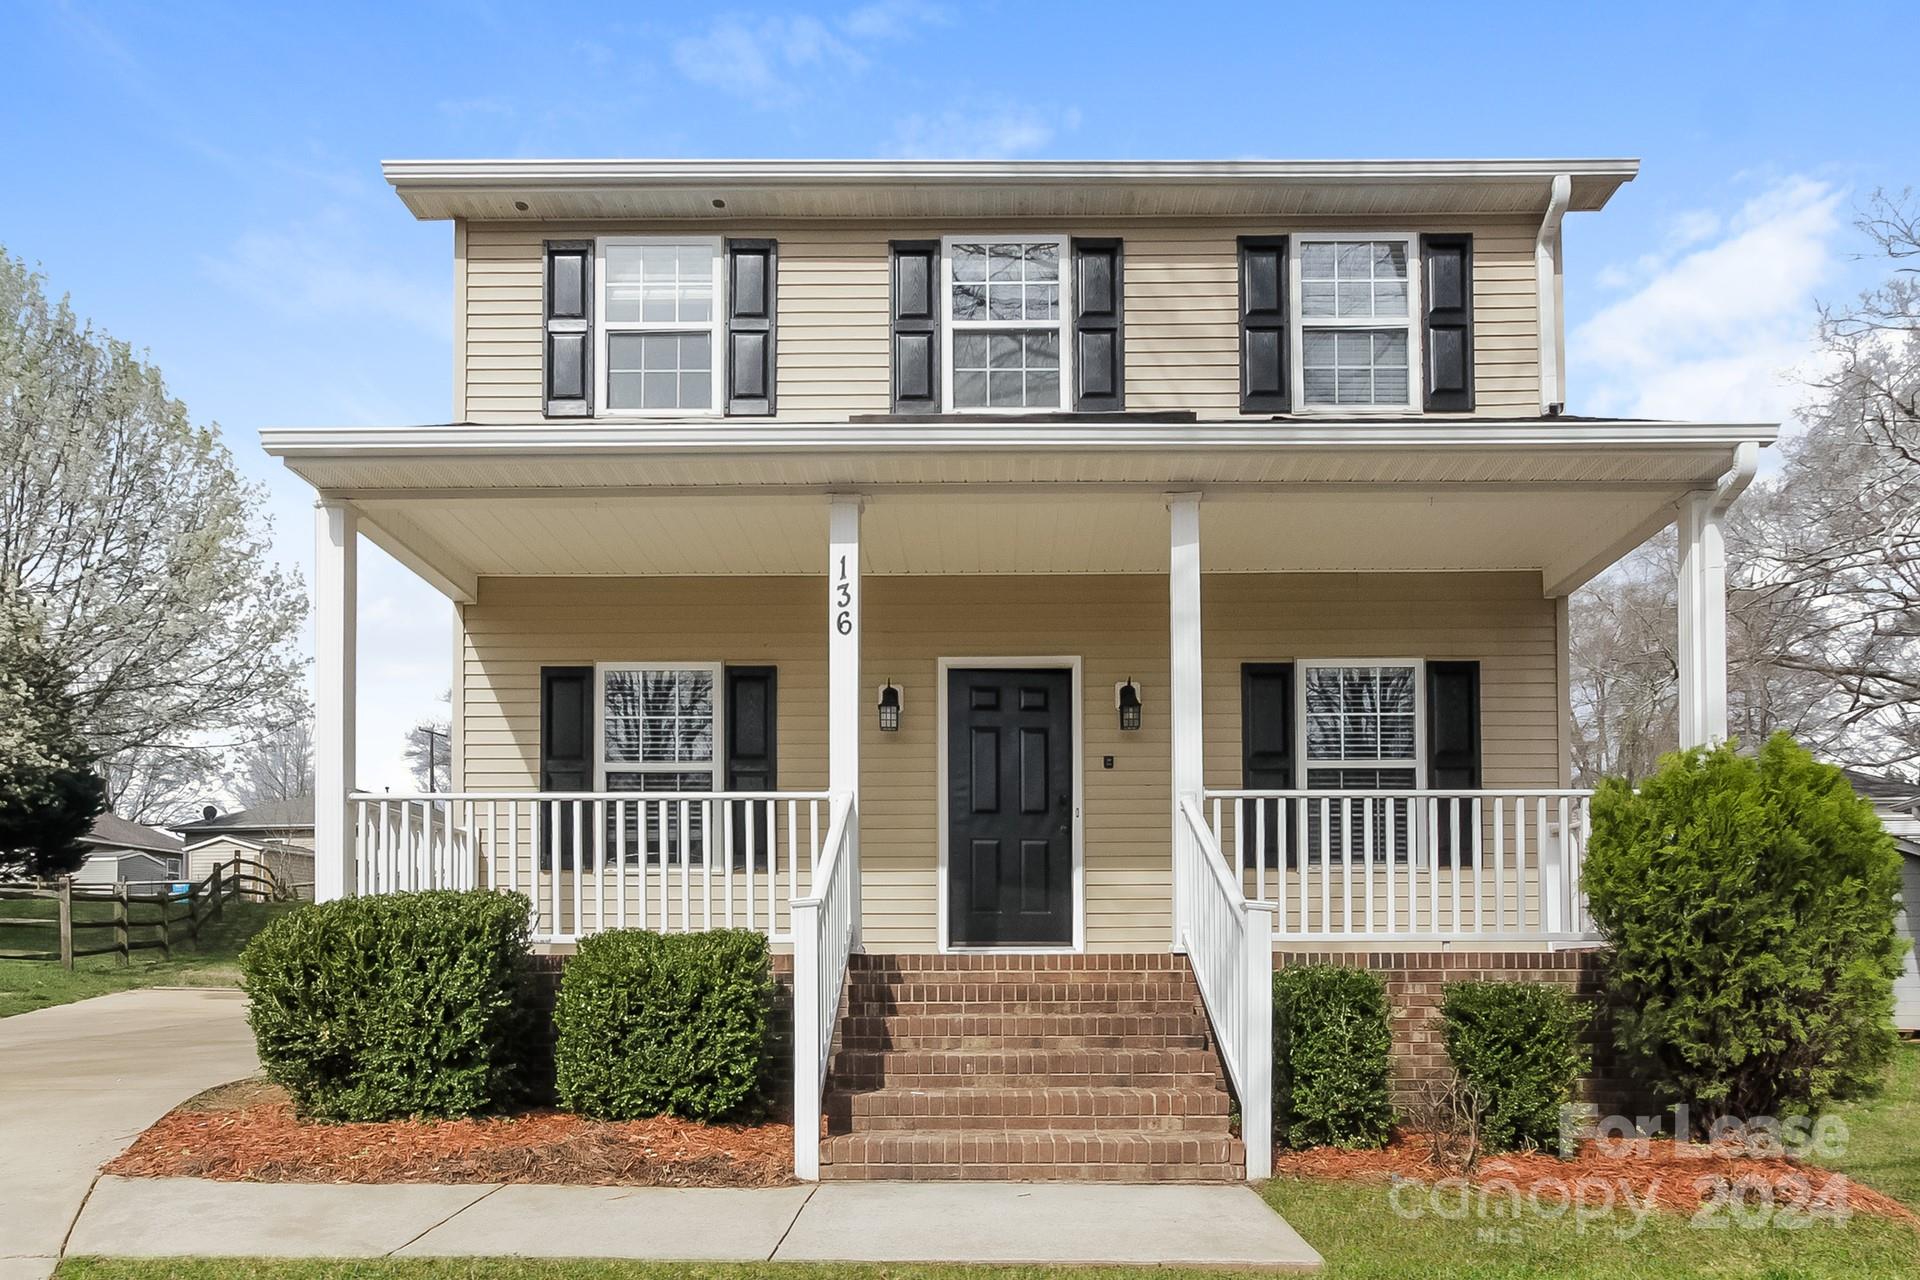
column 1750, row 906
column 1330, row 1042
column 676, row 1024
column 393, row 1005
column 1516, row 1046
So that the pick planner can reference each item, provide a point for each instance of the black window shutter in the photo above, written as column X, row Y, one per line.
column 751, row 289
column 752, row 753
column 1099, row 332
column 1446, row 287
column 1266, row 757
column 568, row 346
column 1453, row 751
column 916, row 326
column 566, row 751
column 1263, row 325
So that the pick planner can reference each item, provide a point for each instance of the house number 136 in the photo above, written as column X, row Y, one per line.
column 843, row 602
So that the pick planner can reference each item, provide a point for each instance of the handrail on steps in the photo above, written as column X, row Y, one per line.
column 1229, row 944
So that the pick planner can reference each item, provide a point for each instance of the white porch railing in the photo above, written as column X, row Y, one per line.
column 825, row 924
column 1411, row 866
column 1229, row 943
column 591, row 861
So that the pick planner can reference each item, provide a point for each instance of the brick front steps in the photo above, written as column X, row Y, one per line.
column 1091, row 1068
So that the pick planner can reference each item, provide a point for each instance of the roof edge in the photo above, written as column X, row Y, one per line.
column 668, row 171
column 540, row 437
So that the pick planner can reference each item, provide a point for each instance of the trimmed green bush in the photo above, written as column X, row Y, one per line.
column 1330, row 1042
column 1516, row 1046
column 676, row 1024
column 1750, row 906
column 393, row 1005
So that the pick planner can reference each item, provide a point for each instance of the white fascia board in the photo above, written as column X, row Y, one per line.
column 561, row 439
column 536, row 173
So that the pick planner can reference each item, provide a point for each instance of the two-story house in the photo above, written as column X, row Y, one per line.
column 1027, row 591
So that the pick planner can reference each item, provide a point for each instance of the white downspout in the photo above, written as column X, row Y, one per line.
column 1546, row 269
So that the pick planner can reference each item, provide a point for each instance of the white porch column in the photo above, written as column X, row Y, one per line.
column 844, row 699
column 336, row 535
column 1703, row 621
column 1183, row 684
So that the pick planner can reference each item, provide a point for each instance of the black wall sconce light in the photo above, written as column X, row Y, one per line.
column 889, row 708
column 1126, row 696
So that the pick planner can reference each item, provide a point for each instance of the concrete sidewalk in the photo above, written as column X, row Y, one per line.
column 1039, row 1223
column 79, row 1081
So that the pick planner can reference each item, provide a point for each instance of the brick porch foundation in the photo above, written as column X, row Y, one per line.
column 1416, row 982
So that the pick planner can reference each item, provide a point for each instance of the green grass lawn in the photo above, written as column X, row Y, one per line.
column 35, row 984
column 1883, row 1141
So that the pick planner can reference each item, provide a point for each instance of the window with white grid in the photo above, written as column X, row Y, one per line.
column 660, row 315
column 1354, row 308
column 657, row 737
column 1362, row 733
column 1006, row 308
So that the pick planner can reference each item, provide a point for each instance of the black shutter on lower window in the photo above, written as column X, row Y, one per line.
column 1263, row 325
column 1099, row 333
column 752, row 753
column 915, row 291
column 567, row 346
column 1446, row 287
column 1266, row 760
column 1453, row 753
column 751, row 289
column 566, row 753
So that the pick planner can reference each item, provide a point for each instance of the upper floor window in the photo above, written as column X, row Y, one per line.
column 1355, row 341
column 661, row 313
column 1005, row 303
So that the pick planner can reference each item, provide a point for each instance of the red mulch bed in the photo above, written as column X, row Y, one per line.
column 1677, row 1176
column 248, row 1133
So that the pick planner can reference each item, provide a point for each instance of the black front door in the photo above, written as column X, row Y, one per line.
column 1009, row 808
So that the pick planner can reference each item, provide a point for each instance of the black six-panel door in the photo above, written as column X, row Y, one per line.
column 1009, row 808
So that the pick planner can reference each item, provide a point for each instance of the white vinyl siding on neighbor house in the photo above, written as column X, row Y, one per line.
column 1115, row 624
column 1906, row 988
column 1182, row 312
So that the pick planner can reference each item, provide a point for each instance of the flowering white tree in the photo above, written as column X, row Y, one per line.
column 140, row 548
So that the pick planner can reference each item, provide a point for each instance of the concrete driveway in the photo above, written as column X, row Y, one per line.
column 79, row 1081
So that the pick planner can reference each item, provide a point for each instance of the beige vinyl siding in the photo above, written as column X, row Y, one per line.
column 1182, row 301
column 1116, row 625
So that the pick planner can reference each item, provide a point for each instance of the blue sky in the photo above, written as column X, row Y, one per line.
column 203, row 179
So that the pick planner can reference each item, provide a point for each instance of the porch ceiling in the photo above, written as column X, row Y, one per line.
column 1561, row 499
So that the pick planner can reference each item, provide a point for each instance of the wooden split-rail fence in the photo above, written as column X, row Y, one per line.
column 133, row 921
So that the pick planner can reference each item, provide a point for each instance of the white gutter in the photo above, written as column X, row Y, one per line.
column 1546, row 267
column 502, row 173
column 1746, row 463
column 560, row 438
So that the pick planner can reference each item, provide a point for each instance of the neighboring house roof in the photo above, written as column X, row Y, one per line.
column 276, row 815
column 111, row 832
column 1897, row 801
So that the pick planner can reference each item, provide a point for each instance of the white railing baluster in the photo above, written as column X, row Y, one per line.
column 1366, row 844
column 1409, row 846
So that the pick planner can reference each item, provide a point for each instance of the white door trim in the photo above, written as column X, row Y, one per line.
column 1069, row 664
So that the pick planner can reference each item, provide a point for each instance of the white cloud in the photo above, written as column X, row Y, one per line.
column 1718, row 330
column 991, row 133
column 771, row 60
